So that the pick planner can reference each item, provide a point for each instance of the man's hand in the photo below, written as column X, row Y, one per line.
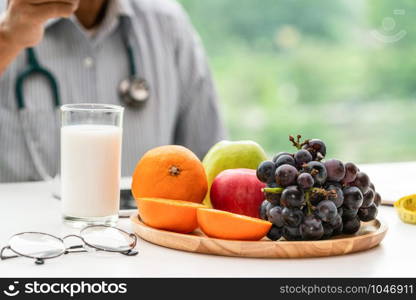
column 22, row 25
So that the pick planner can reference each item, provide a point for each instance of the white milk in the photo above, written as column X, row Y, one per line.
column 90, row 170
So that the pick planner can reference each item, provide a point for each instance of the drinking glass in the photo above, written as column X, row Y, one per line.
column 91, row 136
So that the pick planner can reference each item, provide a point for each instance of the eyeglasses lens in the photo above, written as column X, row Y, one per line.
column 107, row 238
column 37, row 245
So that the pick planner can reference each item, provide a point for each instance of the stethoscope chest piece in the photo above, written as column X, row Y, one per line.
column 134, row 91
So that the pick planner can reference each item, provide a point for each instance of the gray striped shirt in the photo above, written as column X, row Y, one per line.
column 182, row 108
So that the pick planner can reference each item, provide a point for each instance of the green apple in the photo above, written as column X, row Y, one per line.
column 231, row 155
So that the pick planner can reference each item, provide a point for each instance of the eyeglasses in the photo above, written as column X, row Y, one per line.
column 41, row 246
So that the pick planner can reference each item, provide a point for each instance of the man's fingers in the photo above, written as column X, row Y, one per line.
column 40, row 13
column 54, row 10
column 24, row 19
column 20, row 3
column 44, row 1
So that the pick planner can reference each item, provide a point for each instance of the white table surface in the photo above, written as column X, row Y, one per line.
column 30, row 206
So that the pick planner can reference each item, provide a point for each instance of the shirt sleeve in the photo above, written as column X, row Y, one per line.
column 199, row 124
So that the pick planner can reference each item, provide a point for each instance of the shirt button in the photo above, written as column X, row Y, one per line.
column 88, row 62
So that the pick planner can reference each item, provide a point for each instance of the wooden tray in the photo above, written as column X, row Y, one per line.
column 369, row 236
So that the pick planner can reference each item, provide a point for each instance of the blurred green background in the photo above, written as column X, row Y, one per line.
column 343, row 71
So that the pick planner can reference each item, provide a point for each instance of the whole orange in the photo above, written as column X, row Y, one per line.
column 170, row 172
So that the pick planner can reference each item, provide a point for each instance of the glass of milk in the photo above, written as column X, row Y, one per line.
column 91, row 137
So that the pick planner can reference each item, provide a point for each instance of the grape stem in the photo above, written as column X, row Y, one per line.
column 318, row 191
column 308, row 202
column 308, row 193
column 314, row 172
column 277, row 190
column 321, row 192
column 319, row 156
column 297, row 143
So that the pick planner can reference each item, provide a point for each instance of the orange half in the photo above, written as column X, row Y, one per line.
column 225, row 225
column 173, row 215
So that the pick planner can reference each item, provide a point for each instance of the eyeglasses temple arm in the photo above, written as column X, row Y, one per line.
column 132, row 252
column 3, row 257
column 135, row 240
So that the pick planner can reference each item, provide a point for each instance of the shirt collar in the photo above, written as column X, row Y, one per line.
column 125, row 8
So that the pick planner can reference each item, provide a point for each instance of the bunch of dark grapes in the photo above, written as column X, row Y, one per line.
column 309, row 198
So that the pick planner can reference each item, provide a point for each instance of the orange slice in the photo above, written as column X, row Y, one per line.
column 167, row 214
column 225, row 225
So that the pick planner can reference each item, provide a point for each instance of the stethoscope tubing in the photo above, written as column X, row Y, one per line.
column 32, row 147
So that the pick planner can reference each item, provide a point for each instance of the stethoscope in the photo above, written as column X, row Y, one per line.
column 133, row 91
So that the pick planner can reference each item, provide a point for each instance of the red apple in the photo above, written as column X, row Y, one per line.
column 237, row 191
